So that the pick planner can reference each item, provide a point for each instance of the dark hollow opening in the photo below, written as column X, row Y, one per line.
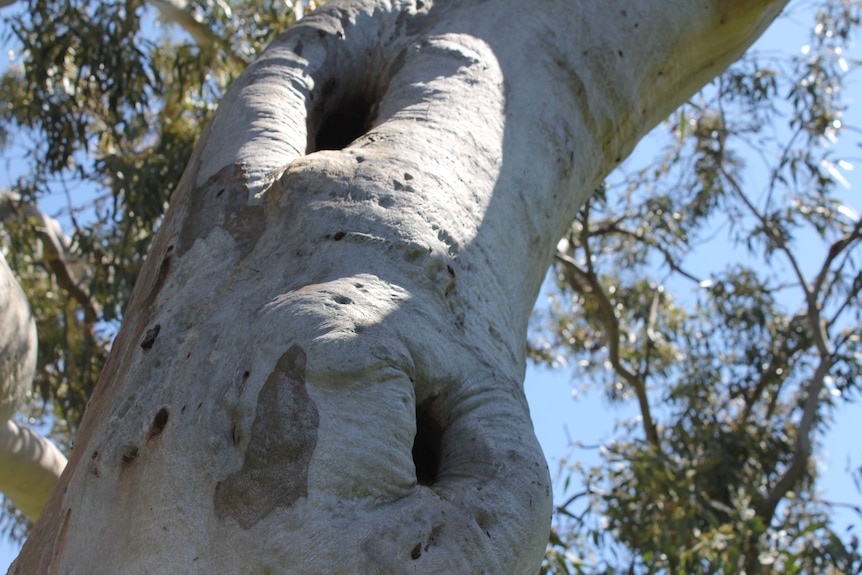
column 159, row 423
column 343, row 125
column 426, row 448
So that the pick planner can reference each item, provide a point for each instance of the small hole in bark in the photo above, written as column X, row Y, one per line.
column 426, row 447
column 159, row 423
column 130, row 453
column 350, row 120
column 150, row 337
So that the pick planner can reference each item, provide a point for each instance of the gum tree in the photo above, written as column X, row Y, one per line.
column 320, row 366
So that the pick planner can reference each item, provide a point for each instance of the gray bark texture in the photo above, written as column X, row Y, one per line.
column 321, row 366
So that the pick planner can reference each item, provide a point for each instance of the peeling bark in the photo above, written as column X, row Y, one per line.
column 338, row 335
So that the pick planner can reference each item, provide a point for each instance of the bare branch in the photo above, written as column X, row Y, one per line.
column 802, row 449
column 820, row 336
column 769, row 229
column 29, row 467
column 177, row 11
column 835, row 250
column 608, row 318
column 668, row 257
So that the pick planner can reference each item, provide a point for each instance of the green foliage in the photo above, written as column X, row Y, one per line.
column 737, row 376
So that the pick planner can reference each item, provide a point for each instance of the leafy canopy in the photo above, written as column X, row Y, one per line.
column 738, row 368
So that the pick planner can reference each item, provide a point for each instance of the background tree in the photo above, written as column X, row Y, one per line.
column 735, row 385
column 132, row 137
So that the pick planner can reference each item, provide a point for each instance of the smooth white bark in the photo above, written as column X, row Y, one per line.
column 29, row 467
column 302, row 317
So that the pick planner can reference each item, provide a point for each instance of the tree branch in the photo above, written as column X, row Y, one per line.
column 802, row 450
column 609, row 319
column 820, row 336
column 668, row 257
column 29, row 468
column 770, row 231
column 835, row 250
column 177, row 11
column 781, row 357
column 55, row 249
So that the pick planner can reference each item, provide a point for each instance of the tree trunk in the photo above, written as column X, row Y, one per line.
column 321, row 366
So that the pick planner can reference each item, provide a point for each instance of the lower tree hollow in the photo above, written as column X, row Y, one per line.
column 426, row 448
